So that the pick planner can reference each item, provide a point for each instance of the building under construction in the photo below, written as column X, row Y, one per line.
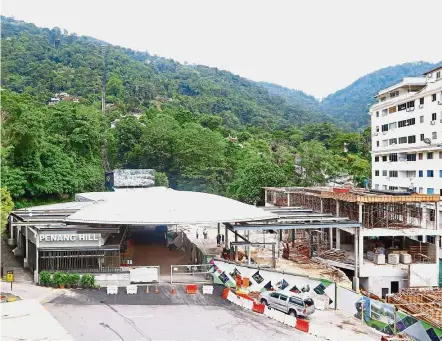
column 394, row 246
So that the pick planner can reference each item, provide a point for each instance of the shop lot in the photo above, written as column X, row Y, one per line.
column 93, row 315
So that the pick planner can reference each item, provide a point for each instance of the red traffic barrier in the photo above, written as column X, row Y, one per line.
column 302, row 325
column 191, row 288
column 258, row 308
column 244, row 295
column 225, row 293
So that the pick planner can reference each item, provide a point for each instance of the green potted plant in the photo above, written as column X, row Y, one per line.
column 73, row 280
column 56, row 279
column 67, row 283
column 87, row 281
column 45, row 278
column 60, row 279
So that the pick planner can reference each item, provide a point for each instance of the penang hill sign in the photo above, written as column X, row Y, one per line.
column 73, row 237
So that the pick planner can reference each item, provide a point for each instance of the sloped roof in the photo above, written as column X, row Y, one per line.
column 160, row 205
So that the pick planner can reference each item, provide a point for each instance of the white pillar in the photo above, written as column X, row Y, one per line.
column 337, row 208
column 330, row 237
column 249, row 261
column 265, row 197
column 236, row 247
column 288, row 200
column 437, row 242
column 26, row 261
column 322, row 206
column 11, row 240
column 356, row 275
column 226, row 237
column 338, row 238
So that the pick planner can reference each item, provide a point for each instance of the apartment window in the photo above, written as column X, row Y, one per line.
column 376, row 186
column 411, row 157
column 385, row 127
column 391, row 110
column 377, row 143
column 430, row 191
column 433, row 98
column 377, row 129
column 421, row 101
column 430, row 173
column 404, row 123
column 438, row 74
column 376, row 173
column 422, row 137
column 383, row 99
column 412, row 139
column 393, row 157
column 384, row 173
column 376, row 159
column 384, row 143
column 433, row 116
column 410, row 174
column 384, row 187
column 421, row 156
column 402, row 139
column 393, row 141
column 402, row 106
column 384, row 158
column 393, row 188
column 440, row 174
column 410, row 104
column 377, row 113
column 430, row 155
column 434, row 135
column 384, row 112
column 421, row 174
column 392, row 125
column 421, row 119
column 394, row 94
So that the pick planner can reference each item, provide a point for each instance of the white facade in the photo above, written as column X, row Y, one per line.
column 406, row 128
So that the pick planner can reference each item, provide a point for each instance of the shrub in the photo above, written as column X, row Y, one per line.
column 88, row 281
column 73, row 279
column 60, row 278
column 45, row 278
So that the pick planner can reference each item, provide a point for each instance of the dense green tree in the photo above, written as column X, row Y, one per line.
column 7, row 206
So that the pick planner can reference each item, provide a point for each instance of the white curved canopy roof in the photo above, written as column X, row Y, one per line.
column 160, row 205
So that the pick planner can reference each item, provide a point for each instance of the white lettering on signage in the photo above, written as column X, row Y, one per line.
column 68, row 237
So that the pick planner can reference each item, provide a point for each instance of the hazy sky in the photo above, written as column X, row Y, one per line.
column 318, row 46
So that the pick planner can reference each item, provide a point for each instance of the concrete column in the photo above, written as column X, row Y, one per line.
column 236, row 247
column 338, row 238
column 249, row 260
column 288, row 200
column 330, row 237
column 26, row 262
column 361, row 217
column 338, row 208
column 265, row 197
column 36, row 276
column 356, row 276
column 226, row 237
column 273, row 256
column 219, row 229
column 322, row 206
column 11, row 240
column 437, row 244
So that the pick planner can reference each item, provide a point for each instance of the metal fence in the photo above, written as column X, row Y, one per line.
column 193, row 273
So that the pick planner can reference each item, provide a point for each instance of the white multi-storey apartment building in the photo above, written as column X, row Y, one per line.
column 406, row 128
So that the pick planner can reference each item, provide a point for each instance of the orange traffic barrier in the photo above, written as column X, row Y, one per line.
column 258, row 308
column 225, row 293
column 173, row 290
column 302, row 325
column 192, row 288
column 245, row 282
column 156, row 290
column 243, row 295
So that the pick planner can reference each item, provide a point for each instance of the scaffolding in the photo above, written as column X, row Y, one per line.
column 373, row 210
column 423, row 304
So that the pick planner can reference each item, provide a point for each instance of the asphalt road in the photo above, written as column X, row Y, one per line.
column 93, row 315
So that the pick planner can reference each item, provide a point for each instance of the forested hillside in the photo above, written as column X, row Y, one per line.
column 200, row 128
column 352, row 103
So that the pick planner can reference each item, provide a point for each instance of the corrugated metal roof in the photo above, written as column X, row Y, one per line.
column 160, row 205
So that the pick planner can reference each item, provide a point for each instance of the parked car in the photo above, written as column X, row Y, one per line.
column 288, row 302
